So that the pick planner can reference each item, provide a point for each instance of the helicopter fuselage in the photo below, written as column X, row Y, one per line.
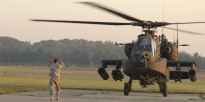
column 149, row 60
column 145, row 59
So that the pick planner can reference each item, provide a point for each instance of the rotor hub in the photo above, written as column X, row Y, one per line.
column 149, row 24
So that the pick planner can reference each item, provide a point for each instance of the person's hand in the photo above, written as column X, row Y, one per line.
column 51, row 60
column 61, row 61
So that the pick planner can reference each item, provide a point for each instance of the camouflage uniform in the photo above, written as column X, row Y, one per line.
column 55, row 77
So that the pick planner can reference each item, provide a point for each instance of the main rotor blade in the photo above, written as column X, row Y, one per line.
column 186, row 23
column 114, row 12
column 83, row 22
column 188, row 32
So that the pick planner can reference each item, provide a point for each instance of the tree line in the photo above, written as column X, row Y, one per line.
column 200, row 60
column 81, row 52
column 70, row 51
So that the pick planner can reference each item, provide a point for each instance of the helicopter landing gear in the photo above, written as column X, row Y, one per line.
column 127, row 89
column 163, row 89
column 177, row 76
column 127, row 86
column 144, row 81
column 162, row 86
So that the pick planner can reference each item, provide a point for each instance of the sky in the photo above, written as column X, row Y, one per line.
column 15, row 21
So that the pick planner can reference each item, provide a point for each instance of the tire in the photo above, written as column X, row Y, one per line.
column 165, row 90
column 126, row 89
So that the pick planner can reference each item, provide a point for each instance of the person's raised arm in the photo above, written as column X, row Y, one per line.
column 62, row 64
column 50, row 63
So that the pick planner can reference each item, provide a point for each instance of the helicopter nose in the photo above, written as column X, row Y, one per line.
column 135, row 62
column 139, row 62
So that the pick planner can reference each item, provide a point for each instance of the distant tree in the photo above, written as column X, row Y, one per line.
column 29, row 56
column 51, row 54
column 98, row 56
column 65, row 55
column 75, row 56
column 5, row 54
column 86, row 57
column 41, row 55
column 111, row 55
column 17, row 54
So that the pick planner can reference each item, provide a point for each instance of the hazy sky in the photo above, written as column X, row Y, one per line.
column 15, row 15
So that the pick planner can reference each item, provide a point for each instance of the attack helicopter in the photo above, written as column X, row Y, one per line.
column 149, row 58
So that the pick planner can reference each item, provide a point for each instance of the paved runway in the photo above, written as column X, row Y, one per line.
column 69, row 95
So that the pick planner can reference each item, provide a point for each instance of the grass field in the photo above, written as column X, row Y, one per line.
column 11, row 83
column 92, row 71
column 46, row 70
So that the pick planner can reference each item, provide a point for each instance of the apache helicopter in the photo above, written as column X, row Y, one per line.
column 149, row 58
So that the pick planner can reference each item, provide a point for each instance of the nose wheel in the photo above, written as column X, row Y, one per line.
column 162, row 86
column 127, row 87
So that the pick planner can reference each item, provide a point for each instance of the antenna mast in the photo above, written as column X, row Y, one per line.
column 163, row 19
column 174, row 38
column 177, row 36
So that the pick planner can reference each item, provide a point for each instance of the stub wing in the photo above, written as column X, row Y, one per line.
column 172, row 63
column 118, row 63
column 117, row 74
column 178, row 74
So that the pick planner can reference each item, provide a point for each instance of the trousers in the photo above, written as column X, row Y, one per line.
column 54, row 81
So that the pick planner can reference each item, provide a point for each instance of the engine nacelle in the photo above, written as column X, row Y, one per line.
column 102, row 72
column 169, row 51
column 127, row 49
column 192, row 75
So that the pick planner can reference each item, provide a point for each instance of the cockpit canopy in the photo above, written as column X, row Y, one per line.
column 144, row 41
column 143, row 44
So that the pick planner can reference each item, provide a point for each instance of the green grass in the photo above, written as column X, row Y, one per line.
column 11, row 83
column 11, row 69
column 72, row 70
column 33, row 69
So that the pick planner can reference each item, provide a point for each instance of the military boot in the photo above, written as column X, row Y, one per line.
column 57, row 99
column 51, row 98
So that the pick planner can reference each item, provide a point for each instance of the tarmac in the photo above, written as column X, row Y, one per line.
column 70, row 95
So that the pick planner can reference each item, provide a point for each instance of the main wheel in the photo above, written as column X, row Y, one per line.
column 126, row 89
column 165, row 90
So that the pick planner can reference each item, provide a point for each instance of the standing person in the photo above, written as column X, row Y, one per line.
column 55, row 77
